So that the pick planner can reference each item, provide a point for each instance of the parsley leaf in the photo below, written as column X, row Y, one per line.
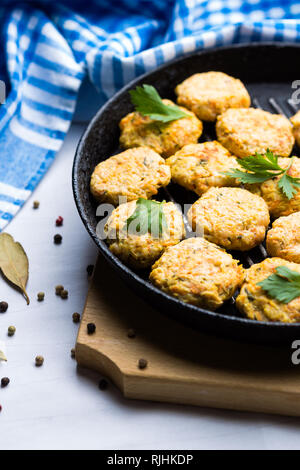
column 244, row 177
column 283, row 286
column 260, row 168
column 148, row 216
column 288, row 184
column 148, row 102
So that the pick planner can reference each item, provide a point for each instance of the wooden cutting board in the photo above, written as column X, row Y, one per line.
column 184, row 366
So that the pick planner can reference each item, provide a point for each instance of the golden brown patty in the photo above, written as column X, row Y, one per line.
column 197, row 272
column 295, row 120
column 246, row 131
column 283, row 240
column 211, row 93
column 198, row 167
column 277, row 202
column 256, row 304
column 231, row 217
column 138, row 172
column 166, row 138
column 140, row 251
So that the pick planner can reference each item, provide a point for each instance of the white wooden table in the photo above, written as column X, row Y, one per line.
column 58, row 406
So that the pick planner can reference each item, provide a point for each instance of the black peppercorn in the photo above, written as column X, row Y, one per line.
column 72, row 353
column 3, row 307
column 131, row 333
column 91, row 328
column 36, row 204
column 57, row 239
column 4, row 382
column 103, row 384
column 142, row 363
column 90, row 269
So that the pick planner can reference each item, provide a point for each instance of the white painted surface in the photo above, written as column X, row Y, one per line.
column 58, row 406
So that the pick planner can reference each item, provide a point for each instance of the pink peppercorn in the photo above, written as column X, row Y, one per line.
column 59, row 221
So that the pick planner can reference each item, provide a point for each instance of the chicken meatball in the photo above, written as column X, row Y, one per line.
column 295, row 120
column 278, row 204
column 246, row 131
column 198, row 167
column 140, row 251
column 197, row 272
column 283, row 240
column 256, row 304
column 164, row 138
column 137, row 172
column 231, row 217
column 211, row 93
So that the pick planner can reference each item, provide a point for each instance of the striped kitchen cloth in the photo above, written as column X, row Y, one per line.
column 48, row 48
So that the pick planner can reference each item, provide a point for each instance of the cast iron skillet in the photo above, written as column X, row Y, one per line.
column 268, row 71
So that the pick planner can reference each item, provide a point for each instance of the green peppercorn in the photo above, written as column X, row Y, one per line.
column 76, row 317
column 39, row 361
column 59, row 289
column 41, row 296
column 90, row 269
column 64, row 294
column 103, row 384
column 36, row 204
column 11, row 330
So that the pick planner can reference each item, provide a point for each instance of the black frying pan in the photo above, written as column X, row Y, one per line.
column 268, row 71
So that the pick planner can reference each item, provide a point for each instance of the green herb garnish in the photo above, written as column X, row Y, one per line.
column 148, row 102
column 260, row 168
column 147, row 217
column 283, row 286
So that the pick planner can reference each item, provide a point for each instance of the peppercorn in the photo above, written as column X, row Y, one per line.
column 36, row 204
column 41, row 296
column 59, row 289
column 64, row 294
column 0, row 408
column 90, row 269
column 57, row 239
column 72, row 353
column 11, row 330
column 142, row 364
column 76, row 317
column 3, row 307
column 39, row 361
column 91, row 328
column 59, row 221
column 131, row 333
column 103, row 384
column 4, row 382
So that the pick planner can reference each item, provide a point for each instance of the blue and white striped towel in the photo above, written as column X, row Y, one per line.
column 48, row 48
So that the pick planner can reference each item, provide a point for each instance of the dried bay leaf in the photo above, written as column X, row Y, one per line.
column 14, row 262
column 2, row 356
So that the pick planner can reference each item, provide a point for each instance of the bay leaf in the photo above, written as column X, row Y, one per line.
column 14, row 262
column 2, row 356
